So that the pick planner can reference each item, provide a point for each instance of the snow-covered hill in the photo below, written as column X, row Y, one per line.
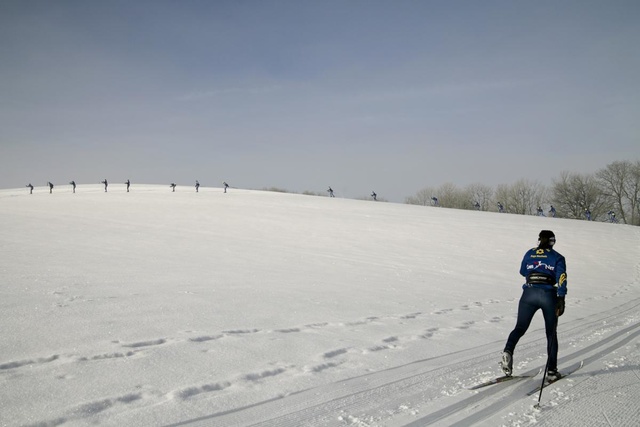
column 158, row 308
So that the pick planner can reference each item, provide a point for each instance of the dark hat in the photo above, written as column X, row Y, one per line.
column 546, row 234
column 547, row 239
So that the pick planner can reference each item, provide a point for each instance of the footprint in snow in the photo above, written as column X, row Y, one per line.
column 28, row 362
column 205, row 338
column 264, row 374
column 106, row 356
column 429, row 332
column 188, row 392
column 466, row 325
column 145, row 343
column 322, row 367
column 288, row 331
column 241, row 331
column 410, row 316
column 334, row 353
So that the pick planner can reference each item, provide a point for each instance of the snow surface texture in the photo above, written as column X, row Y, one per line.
column 250, row 308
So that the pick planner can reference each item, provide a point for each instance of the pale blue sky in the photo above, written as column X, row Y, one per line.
column 391, row 96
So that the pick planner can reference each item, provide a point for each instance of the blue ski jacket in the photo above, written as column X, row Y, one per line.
column 545, row 268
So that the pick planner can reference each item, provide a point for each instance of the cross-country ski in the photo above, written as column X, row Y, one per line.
column 564, row 374
column 502, row 379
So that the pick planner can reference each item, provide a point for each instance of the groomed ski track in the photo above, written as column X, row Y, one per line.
column 404, row 395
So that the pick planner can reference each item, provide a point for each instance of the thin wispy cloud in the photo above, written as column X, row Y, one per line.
column 213, row 93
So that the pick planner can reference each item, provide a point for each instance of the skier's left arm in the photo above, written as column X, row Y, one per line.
column 561, row 276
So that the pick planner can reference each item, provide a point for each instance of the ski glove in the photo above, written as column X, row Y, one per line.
column 559, row 306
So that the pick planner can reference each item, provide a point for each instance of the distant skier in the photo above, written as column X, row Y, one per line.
column 500, row 207
column 225, row 185
column 30, row 188
column 73, row 186
column 540, row 211
column 330, row 190
column 612, row 216
column 374, row 195
column 477, row 206
column 587, row 214
column 435, row 201
column 173, row 187
column 50, row 187
column 545, row 289
column 197, row 186
column 128, row 185
column 552, row 212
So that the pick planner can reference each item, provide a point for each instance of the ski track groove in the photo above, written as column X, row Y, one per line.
column 621, row 338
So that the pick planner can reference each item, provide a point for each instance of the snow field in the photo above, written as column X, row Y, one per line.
column 254, row 308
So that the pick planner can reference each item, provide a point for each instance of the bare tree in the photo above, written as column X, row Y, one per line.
column 523, row 197
column 567, row 202
column 502, row 196
column 633, row 193
column 614, row 188
column 612, row 180
column 619, row 182
column 480, row 193
column 450, row 196
column 422, row 197
column 574, row 193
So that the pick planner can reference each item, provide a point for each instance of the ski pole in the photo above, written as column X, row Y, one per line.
column 546, row 368
column 544, row 377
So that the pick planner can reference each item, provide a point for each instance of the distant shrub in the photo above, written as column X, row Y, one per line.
column 276, row 190
column 369, row 198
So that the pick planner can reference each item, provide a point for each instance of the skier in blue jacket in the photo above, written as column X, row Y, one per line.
column 545, row 289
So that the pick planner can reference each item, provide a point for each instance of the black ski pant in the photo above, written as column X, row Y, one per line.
column 531, row 300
